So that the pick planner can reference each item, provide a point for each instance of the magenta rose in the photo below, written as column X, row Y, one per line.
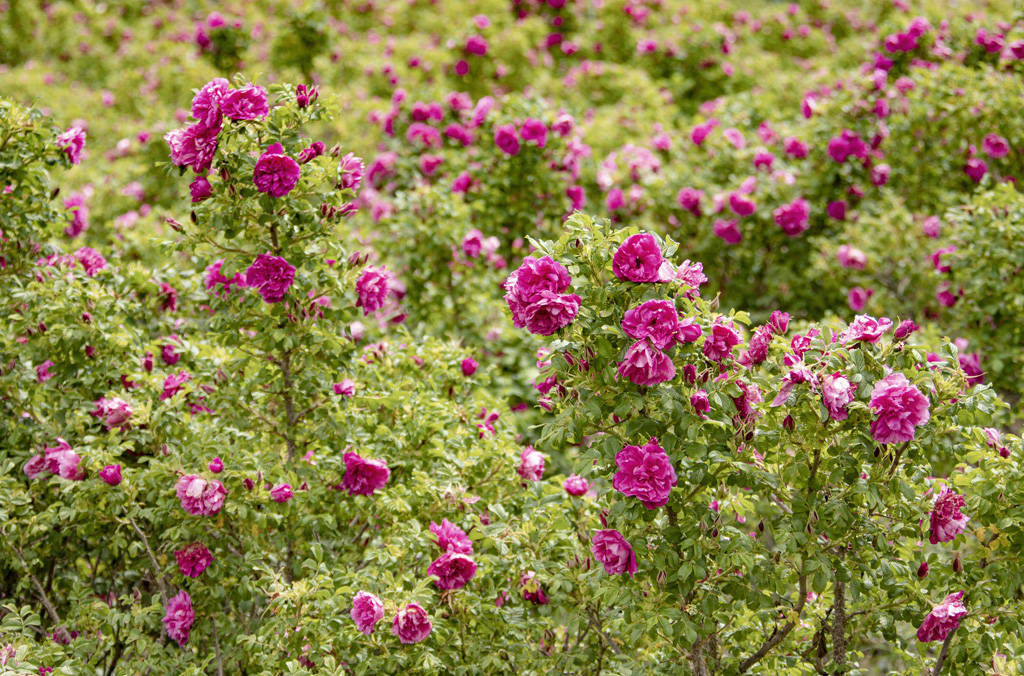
column 275, row 173
column 206, row 103
column 281, row 493
column 638, row 259
column 111, row 474
column 452, row 570
column 63, row 461
column 646, row 473
column 271, row 276
column 179, row 617
column 836, row 393
column 946, row 520
column 451, row 538
column 866, row 328
column 531, row 464
column 373, row 287
column 507, row 139
column 411, row 624
column 362, row 476
column 247, row 103
column 113, row 412
column 900, row 408
column 72, row 142
column 719, row 343
column 526, row 285
column 173, row 384
column 532, row 589
column 193, row 559
column 614, row 552
column 576, row 485
column 367, row 610
column 551, row 312
column 943, row 618
column 646, row 365
column 193, row 146
column 793, row 218
column 656, row 320
column 200, row 497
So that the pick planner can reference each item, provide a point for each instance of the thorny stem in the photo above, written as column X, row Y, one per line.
column 779, row 634
column 51, row 610
column 942, row 654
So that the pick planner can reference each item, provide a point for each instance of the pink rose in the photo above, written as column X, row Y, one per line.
column 111, row 474
column 275, row 173
column 866, row 328
column 551, row 312
column 656, row 320
column 646, row 473
column 372, row 288
column 943, row 619
column 411, row 624
column 576, row 485
column 793, row 218
column 367, row 610
column 646, row 365
column 179, row 617
column 451, row 538
column 271, row 276
column 281, row 493
column 946, row 520
column 363, row 476
column 247, row 103
column 114, row 412
column 836, row 393
column 638, row 259
column 193, row 559
column 531, row 464
column 452, row 570
column 614, row 552
column 200, row 497
column 72, row 142
column 206, row 103
column 899, row 406
column 507, row 139
column 719, row 343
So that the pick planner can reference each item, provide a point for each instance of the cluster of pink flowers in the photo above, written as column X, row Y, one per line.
column 60, row 460
column 72, row 142
column 455, row 567
column 200, row 497
column 195, row 146
column 507, row 137
column 535, row 294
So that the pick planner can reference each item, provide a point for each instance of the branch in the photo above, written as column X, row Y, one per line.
column 216, row 645
column 779, row 634
column 942, row 655
column 51, row 610
column 596, row 622
column 152, row 560
column 839, row 623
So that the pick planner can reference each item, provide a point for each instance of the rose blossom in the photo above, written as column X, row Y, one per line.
column 576, row 485
column 507, row 139
column 551, row 312
column 718, row 345
column 866, row 328
column 943, row 618
column 451, row 538
column 645, row 472
column 345, row 388
column 411, row 624
column 836, row 393
column 373, row 287
column 614, row 552
column 656, row 320
column 63, row 461
column 247, row 103
column 114, row 412
column 532, row 589
column 363, row 476
column 452, row 570
column 72, row 142
column 281, row 493
column 946, row 520
column 193, row 559
column 206, row 103
column 638, row 259
column 111, row 474
column 200, row 497
column 531, row 464
column 193, row 146
column 793, row 218
column 646, row 365
column 271, row 276
column 900, row 408
column 275, row 173
column 367, row 610
column 179, row 617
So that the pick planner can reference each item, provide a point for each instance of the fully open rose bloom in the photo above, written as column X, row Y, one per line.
column 531, row 464
column 247, row 103
column 646, row 365
column 645, row 472
column 452, row 570
column 614, row 553
column 206, row 103
column 367, row 610
column 362, row 476
column 866, row 328
column 451, row 538
column 411, row 624
column 576, row 485
column 275, row 173
column 179, row 617
column 193, row 559
column 719, row 343
column 200, row 497
column 899, row 406
column 271, row 276
column 943, row 619
column 946, row 520
column 837, row 392
column 372, row 289
column 114, row 412
column 656, row 320
column 72, row 142
column 535, row 294
column 638, row 259
column 111, row 474
column 551, row 312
